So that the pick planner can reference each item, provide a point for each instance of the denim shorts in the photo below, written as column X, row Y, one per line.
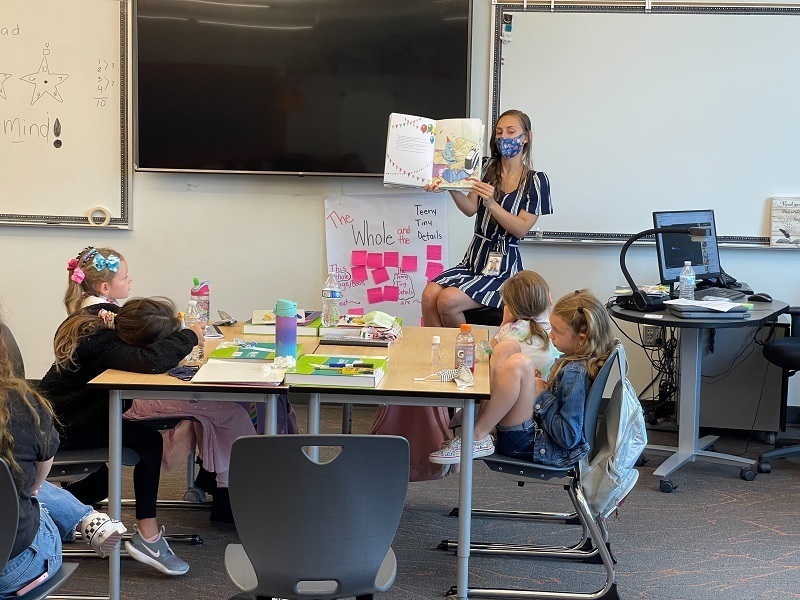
column 516, row 441
column 43, row 555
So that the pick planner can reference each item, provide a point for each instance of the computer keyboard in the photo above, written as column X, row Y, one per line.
column 724, row 293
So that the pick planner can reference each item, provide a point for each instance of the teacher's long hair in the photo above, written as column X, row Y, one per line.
column 494, row 171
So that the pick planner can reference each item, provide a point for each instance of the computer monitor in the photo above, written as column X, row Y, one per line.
column 675, row 248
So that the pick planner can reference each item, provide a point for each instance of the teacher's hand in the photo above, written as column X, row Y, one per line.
column 484, row 190
column 432, row 187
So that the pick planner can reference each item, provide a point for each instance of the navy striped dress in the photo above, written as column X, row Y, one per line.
column 532, row 196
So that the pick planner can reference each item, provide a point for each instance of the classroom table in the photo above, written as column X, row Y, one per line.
column 691, row 447
column 409, row 357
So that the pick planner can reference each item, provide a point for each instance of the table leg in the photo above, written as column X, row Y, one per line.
column 272, row 414
column 114, row 485
column 690, row 447
column 465, row 499
column 313, row 423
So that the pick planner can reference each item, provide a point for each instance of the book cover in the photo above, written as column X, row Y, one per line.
column 785, row 222
column 238, row 372
column 337, row 371
column 311, row 329
column 259, row 352
column 421, row 151
column 267, row 317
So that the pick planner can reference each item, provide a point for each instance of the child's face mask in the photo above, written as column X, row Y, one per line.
column 462, row 376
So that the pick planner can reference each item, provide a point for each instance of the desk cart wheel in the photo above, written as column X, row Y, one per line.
column 666, row 486
column 194, row 495
column 763, row 466
column 747, row 473
column 641, row 461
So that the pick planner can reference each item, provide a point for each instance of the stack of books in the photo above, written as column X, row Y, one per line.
column 337, row 371
column 263, row 322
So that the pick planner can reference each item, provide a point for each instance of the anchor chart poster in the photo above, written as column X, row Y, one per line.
column 384, row 250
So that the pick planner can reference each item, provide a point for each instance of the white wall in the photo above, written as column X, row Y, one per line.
column 260, row 237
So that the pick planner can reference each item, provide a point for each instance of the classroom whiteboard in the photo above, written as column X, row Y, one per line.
column 636, row 112
column 63, row 113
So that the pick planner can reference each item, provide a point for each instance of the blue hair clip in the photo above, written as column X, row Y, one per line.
column 111, row 263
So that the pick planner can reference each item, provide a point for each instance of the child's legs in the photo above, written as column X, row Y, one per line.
column 64, row 508
column 30, row 563
column 147, row 443
column 513, row 393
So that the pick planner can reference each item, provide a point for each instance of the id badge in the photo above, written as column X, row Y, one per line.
column 493, row 263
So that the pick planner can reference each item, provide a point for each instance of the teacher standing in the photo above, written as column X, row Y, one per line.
column 508, row 200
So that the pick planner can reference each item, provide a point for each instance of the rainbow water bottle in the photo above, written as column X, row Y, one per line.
column 286, row 328
column 202, row 293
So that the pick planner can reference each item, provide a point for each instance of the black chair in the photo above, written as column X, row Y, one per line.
column 319, row 530
column 593, row 546
column 485, row 315
column 784, row 353
column 9, row 517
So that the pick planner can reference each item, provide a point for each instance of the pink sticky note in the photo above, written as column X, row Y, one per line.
column 375, row 295
column 355, row 311
column 380, row 275
column 433, row 269
column 391, row 259
column 375, row 260
column 391, row 293
column 359, row 273
column 359, row 257
column 409, row 264
column 434, row 252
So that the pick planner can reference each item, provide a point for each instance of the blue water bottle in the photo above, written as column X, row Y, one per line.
column 286, row 328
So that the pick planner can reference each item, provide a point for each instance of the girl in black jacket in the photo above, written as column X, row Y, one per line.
column 143, row 336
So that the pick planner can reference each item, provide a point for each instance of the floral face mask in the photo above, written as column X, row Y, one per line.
column 509, row 147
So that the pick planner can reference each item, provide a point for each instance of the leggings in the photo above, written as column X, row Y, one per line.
column 146, row 442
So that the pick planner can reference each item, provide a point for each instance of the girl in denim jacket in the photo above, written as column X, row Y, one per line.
column 543, row 421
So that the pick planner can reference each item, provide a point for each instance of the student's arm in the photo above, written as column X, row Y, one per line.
column 42, row 470
column 158, row 357
column 562, row 418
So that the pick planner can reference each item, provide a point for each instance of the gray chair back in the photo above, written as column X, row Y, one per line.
column 595, row 402
column 301, row 521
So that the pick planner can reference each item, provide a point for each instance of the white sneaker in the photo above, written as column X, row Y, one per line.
column 451, row 453
column 102, row 532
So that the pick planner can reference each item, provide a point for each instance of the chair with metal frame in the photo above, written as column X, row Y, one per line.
column 785, row 353
column 593, row 545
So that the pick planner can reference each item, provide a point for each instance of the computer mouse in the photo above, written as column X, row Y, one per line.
column 760, row 297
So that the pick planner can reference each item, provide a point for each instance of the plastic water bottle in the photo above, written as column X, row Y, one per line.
column 331, row 299
column 687, row 282
column 202, row 293
column 192, row 317
column 465, row 347
column 286, row 328
column 436, row 350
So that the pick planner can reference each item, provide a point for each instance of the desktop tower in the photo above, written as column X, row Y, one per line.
column 740, row 389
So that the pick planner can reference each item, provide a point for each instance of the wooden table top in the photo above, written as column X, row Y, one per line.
column 409, row 357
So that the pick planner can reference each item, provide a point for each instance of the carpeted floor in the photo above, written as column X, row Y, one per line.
column 715, row 537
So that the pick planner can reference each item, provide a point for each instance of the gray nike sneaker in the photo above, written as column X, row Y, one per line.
column 157, row 554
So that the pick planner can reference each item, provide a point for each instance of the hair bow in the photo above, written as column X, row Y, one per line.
column 111, row 263
column 77, row 274
column 107, row 316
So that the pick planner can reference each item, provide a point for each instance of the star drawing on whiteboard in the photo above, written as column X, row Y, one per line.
column 3, row 77
column 45, row 82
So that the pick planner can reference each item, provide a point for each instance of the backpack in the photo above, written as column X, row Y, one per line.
column 609, row 475
column 426, row 428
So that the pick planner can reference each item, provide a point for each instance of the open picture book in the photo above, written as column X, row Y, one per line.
column 422, row 151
